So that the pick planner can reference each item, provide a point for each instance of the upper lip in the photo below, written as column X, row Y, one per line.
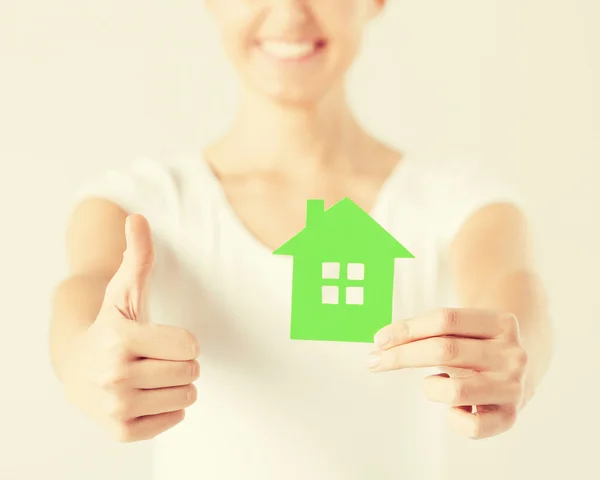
column 291, row 39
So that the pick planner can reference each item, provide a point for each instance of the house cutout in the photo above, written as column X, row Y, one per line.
column 343, row 274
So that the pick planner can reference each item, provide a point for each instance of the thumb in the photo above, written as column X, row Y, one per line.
column 125, row 291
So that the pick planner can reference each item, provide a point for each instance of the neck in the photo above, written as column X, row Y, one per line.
column 273, row 136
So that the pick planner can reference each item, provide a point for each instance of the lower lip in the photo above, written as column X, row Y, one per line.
column 317, row 51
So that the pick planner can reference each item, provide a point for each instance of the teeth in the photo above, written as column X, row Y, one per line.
column 288, row 50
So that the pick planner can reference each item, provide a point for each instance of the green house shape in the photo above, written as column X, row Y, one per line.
column 343, row 274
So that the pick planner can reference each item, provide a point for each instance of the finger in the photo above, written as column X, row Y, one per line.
column 486, row 421
column 478, row 389
column 463, row 322
column 126, row 289
column 148, row 427
column 456, row 372
column 466, row 353
column 160, row 400
column 149, row 373
column 161, row 342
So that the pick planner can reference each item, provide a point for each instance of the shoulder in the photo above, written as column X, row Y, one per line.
column 447, row 168
column 148, row 185
column 460, row 183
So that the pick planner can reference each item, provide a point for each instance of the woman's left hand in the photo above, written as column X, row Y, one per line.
column 484, row 344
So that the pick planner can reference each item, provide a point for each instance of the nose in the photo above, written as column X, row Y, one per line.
column 290, row 12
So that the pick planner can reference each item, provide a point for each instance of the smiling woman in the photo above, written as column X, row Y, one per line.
column 290, row 51
column 267, row 406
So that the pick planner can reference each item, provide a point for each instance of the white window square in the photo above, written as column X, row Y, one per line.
column 354, row 295
column 356, row 271
column 331, row 270
column 329, row 294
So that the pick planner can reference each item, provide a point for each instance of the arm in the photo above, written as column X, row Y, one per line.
column 134, row 378
column 95, row 246
column 492, row 265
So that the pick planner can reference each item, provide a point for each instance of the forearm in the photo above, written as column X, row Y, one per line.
column 75, row 305
column 523, row 295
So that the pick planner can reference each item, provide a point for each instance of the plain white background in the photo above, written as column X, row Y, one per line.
column 86, row 86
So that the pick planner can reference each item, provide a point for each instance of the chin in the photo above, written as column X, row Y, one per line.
column 292, row 95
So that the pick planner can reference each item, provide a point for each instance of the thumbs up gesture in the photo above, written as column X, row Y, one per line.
column 133, row 377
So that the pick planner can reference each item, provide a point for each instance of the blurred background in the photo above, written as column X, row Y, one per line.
column 86, row 86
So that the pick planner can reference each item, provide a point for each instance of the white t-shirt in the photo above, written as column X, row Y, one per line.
column 274, row 408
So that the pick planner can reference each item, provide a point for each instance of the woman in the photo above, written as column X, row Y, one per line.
column 266, row 406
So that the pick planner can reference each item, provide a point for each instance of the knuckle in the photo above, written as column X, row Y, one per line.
column 522, row 358
column 510, row 322
column 517, row 363
column 447, row 349
column 194, row 369
column 192, row 344
column 513, row 375
column 183, row 370
column 449, row 318
column 459, row 393
column 186, row 370
column 402, row 330
column 191, row 394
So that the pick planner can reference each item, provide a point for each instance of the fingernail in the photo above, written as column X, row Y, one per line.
column 382, row 338
column 373, row 359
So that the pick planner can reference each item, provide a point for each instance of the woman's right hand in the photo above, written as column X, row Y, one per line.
column 133, row 377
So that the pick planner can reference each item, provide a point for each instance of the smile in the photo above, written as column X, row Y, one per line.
column 291, row 51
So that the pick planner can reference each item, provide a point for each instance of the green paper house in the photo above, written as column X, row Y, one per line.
column 343, row 274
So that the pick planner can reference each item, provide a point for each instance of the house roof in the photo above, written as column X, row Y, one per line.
column 343, row 232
